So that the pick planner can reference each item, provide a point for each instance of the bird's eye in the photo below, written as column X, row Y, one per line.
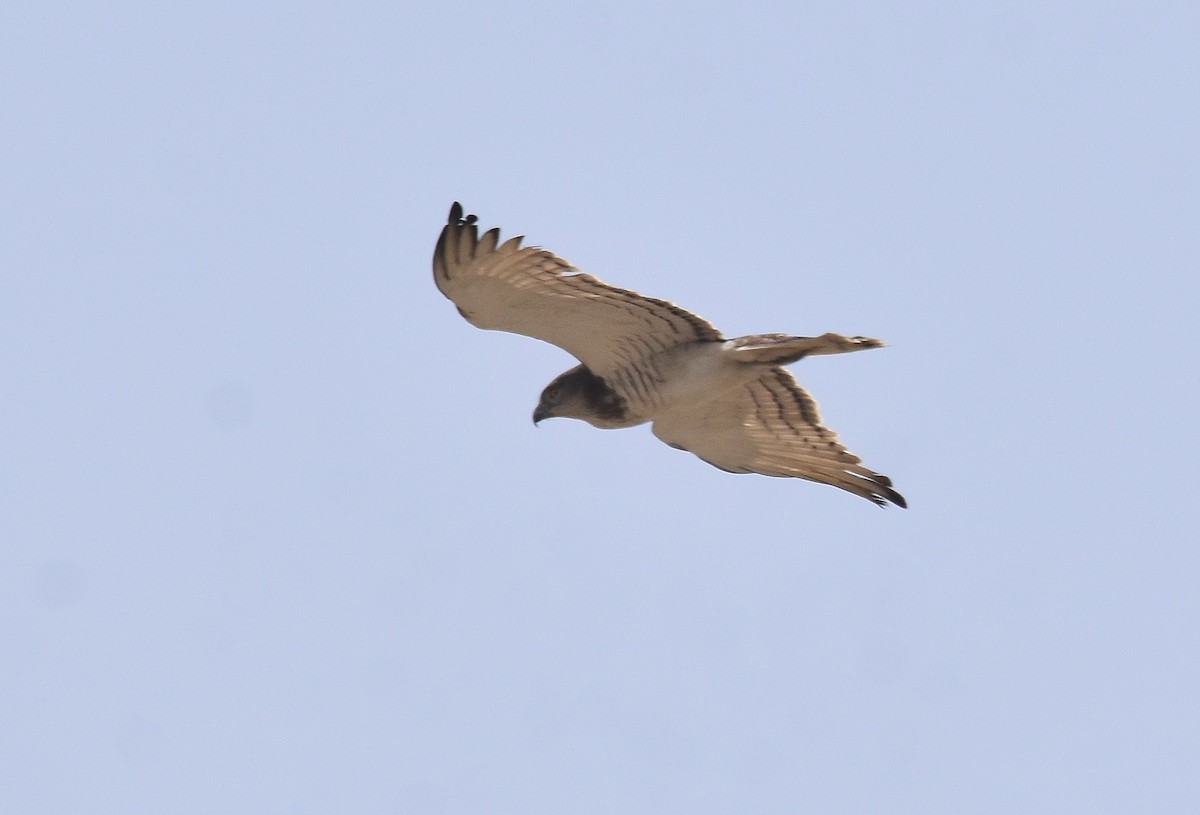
column 552, row 394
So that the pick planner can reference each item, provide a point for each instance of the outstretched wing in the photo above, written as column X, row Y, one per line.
column 528, row 290
column 771, row 426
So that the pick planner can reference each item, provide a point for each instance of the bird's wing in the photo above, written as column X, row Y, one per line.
column 528, row 290
column 771, row 426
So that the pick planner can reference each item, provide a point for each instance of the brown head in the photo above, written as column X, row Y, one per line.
column 580, row 394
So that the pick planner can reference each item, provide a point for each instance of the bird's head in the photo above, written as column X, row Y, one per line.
column 564, row 397
column 580, row 394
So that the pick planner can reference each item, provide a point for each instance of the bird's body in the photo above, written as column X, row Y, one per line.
column 697, row 373
column 647, row 360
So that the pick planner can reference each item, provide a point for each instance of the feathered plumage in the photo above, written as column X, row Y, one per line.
column 648, row 360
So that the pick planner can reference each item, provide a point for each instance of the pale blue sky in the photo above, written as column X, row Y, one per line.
column 277, row 534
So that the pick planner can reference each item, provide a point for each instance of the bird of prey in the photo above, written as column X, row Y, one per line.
column 729, row 401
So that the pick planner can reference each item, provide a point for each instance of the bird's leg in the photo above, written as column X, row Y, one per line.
column 834, row 344
column 784, row 349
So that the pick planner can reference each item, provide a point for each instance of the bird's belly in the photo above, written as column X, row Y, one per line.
column 700, row 374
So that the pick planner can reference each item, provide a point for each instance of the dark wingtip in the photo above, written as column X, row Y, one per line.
column 456, row 216
column 885, row 493
column 445, row 245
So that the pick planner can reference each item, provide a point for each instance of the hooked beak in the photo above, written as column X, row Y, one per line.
column 539, row 414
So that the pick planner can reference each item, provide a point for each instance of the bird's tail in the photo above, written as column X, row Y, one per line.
column 784, row 349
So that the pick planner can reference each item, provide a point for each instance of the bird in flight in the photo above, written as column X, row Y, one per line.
column 728, row 401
